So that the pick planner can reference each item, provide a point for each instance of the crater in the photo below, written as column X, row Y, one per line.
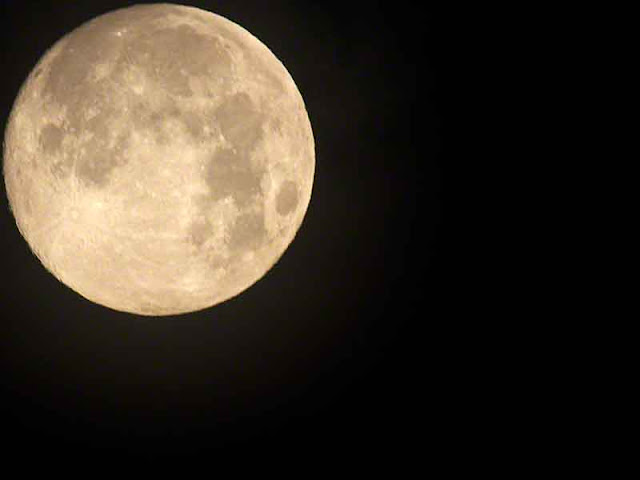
column 231, row 173
column 61, row 166
column 36, row 73
column 287, row 199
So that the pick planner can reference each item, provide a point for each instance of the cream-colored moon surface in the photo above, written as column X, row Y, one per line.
column 159, row 159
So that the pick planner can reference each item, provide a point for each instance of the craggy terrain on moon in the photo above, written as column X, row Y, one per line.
column 159, row 159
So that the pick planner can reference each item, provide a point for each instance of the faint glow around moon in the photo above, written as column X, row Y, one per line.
column 159, row 159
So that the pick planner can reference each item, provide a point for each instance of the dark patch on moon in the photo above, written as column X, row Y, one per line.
column 248, row 232
column 145, row 119
column 97, row 165
column 102, row 155
column 276, row 124
column 101, row 125
column 194, row 124
column 199, row 231
column 170, row 56
column 85, row 47
column 96, row 96
column 231, row 173
column 51, row 138
column 287, row 198
column 192, row 121
column 240, row 122
column 216, row 261
column 94, row 168
column 148, row 120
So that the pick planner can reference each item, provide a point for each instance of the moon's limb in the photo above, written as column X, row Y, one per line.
column 159, row 159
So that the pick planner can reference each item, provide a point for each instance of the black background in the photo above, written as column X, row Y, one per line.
column 330, row 351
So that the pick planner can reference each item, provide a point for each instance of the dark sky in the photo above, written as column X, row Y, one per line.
column 330, row 351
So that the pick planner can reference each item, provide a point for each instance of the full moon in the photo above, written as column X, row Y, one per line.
column 159, row 159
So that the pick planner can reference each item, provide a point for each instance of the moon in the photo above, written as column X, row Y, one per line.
column 159, row 160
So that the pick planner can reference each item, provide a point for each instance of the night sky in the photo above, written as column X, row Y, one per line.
column 329, row 353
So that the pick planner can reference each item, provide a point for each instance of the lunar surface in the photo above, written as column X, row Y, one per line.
column 159, row 159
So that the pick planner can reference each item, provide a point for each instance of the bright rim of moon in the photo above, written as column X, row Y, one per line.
column 159, row 159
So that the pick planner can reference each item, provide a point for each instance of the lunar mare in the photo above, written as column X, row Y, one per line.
column 159, row 159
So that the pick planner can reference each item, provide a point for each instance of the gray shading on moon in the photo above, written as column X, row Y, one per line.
column 159, row 159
